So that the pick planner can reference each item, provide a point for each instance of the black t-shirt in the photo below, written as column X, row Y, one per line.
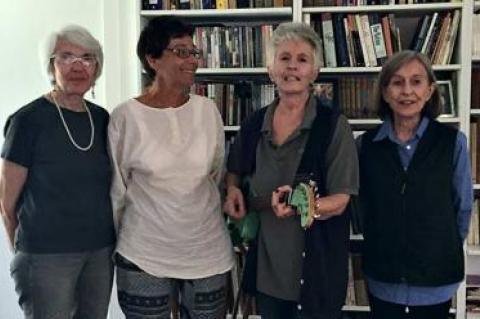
column 65, row 204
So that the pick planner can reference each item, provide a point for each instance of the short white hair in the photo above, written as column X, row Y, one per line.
column 294, row 31
column 76, row 35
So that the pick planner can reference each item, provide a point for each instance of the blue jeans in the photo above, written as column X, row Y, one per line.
column 63, row 286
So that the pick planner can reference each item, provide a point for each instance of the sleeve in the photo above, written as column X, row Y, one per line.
column 20, row 137
column 219, row 157
column 342, row 161
column 119, row 186
column 462, row 185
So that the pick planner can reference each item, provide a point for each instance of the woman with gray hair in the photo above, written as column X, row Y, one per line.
column 295, row 271
column 54, row 188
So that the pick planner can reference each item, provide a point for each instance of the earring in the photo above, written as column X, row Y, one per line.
column 93, row 91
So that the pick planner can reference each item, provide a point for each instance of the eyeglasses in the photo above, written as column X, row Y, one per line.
column 185, row 53
column 87, row 61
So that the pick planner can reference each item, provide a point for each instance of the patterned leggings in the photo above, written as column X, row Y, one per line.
column 143, row 296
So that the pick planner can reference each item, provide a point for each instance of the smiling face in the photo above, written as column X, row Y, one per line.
column 176, row 71
column 293, row 67
column 74, row 78
column 408, row 90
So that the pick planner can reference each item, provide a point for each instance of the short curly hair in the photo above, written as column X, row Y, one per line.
column 156, row 36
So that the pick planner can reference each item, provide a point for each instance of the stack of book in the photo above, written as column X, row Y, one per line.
column 473, row 238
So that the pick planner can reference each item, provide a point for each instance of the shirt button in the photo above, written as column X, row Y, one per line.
column 303, row 254
column 299, row 307
column 301, row 281
column 408, row 147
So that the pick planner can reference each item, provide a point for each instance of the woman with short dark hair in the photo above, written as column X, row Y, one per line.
column 167, row 149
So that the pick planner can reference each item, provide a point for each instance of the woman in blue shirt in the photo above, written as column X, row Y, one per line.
column 416, row 195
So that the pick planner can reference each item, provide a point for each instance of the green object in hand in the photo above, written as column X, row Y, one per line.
column 302, row 199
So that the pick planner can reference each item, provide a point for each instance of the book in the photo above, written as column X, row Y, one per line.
column 341, row 45
column 387, row 35
column 328, row 40
column 451, row 38
column 421, row 34
column 378, row 38
column 428, row 36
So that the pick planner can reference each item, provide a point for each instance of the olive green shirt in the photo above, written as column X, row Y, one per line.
column 281, row 241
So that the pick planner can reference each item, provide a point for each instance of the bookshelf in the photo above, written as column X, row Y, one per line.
column 458, row 70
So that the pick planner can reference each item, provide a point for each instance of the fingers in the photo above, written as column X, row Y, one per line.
column 234, row 204
column 280, row 208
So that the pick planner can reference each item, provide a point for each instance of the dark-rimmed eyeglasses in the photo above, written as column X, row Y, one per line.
column 87, row 61
column 185, row 53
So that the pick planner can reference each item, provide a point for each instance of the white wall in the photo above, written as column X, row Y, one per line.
column 23, row 24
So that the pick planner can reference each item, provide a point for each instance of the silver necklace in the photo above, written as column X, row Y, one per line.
column 92, row 134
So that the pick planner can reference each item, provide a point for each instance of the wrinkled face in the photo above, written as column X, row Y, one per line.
column 173, row 69
column 409, row 90
column 293, row 67
column 74, row 68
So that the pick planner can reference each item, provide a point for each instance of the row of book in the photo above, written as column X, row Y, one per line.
column 212, row 4
column 475, row 148
column 319, row 3
column 236, row 101
column 356, row 96
column 476, row 35
column 232, row 47
column 354, row 40
column 436, row 35
column 473, row 237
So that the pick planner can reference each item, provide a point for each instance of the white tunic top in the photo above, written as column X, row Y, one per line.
column 166, row 202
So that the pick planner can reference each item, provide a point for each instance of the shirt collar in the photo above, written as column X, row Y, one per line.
column 386, row 130
column 308, row 118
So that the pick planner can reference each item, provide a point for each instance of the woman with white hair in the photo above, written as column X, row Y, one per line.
column 294, row 272
column 54, row 188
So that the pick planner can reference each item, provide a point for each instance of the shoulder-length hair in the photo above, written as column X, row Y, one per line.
column 433, row 106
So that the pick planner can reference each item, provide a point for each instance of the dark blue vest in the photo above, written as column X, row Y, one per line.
column 325, row 267
column 410, row 225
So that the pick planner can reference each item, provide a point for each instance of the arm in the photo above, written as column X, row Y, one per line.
column 462, row 185
column 218, row 160
column 119, row 187
column 12, row 180
column 234, row 204
column 342, row 172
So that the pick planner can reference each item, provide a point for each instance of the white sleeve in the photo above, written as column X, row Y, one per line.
column 119, row 186
column 217, row 169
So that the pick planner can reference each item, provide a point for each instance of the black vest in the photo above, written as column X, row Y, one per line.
column 411, row 233
column 325, row 267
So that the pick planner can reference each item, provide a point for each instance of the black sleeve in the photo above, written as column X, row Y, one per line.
column 19, row 140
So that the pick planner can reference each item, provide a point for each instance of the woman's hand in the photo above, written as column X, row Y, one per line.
column 280, row 207
column 234, row 205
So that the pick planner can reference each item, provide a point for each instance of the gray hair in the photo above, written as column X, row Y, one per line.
column 434, row 105
column 294, row 31
column 76, row 35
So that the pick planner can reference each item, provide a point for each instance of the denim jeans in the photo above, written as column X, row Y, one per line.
column 63, row 286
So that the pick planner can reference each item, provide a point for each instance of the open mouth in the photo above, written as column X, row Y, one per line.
column 290, row 78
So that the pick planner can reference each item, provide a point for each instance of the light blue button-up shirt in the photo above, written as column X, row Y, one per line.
column 403, row 293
